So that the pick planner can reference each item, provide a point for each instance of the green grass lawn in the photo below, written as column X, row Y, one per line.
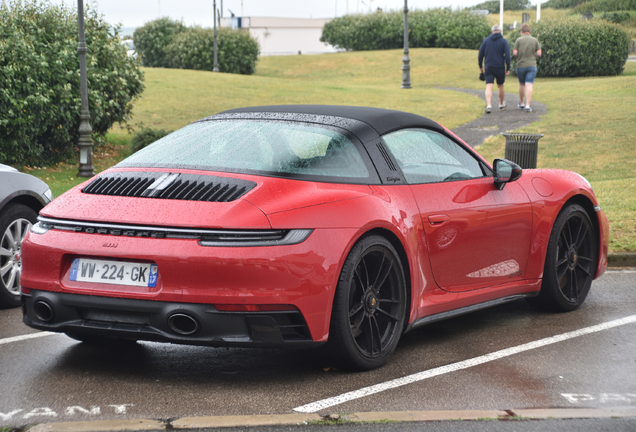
column 589, row 128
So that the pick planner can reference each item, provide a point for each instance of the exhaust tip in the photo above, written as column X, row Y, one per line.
column 43, row 311
column 183, row 324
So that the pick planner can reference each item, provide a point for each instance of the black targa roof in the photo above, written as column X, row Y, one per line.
column 382, row 120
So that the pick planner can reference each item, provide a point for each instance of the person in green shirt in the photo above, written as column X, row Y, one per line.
column 526, row 49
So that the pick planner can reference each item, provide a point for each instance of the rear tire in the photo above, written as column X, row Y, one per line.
column 15, row 222
column 369, row 307
column 570, row 262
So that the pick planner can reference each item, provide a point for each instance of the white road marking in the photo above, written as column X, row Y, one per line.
column 25, row 337
column 601, row 397
column 377, row 388
column 71, row 411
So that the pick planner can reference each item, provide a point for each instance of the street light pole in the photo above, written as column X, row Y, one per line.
column 406, row 67
column 85, row 142
column 215, row 68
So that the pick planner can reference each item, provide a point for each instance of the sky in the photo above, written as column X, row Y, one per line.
column 135, row 13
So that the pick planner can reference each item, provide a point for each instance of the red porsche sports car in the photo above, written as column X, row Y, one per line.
column 296, row 226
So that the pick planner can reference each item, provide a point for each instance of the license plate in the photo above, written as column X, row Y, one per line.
column 114, row 272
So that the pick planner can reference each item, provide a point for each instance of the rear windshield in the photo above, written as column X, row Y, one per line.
column 273, row 148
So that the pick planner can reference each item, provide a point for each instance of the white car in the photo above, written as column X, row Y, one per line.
column 22, row 196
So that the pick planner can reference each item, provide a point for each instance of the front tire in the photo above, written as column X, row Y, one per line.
column 570, row 262
column 369, row 306
column 15, row 222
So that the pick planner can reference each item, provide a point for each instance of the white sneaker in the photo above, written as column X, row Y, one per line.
column 528, row 109
column 521, row 106
column 503, row 106
column 488, row 109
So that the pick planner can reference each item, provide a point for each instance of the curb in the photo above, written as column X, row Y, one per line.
column 100, row 425
column 621, row 259
column 299, row 419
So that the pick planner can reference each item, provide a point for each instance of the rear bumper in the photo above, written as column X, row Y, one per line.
column 155, row 321
column 303, row 275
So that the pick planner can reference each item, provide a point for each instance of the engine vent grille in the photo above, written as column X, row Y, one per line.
column 175, row 186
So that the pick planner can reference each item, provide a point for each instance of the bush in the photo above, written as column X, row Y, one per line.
column 153, row 37
column 606, row 6
column 194, row 49
column 457, row 29
column 441, row 28
column 146, row 137
column 493, row 5
column 573, row 47
column 374, row 31
column 39, row 80
column 616, row 17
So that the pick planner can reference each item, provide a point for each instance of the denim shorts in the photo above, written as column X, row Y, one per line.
column 527, row 74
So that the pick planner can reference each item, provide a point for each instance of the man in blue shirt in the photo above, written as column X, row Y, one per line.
column 494, row 54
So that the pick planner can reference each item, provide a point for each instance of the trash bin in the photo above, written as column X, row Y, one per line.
column 522, row 148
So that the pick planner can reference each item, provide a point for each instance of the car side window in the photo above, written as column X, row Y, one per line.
column 428, row 157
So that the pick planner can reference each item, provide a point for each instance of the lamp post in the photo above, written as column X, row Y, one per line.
column 406, row 67
column 85, row 142
column 215, row 68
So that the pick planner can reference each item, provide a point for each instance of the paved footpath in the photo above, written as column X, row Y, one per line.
column 511, row 118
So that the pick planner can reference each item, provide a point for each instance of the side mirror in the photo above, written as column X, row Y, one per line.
column 505, row 172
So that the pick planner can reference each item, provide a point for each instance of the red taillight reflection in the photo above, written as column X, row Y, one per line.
column 254, row 308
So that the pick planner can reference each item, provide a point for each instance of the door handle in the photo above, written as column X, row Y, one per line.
column 438, row 219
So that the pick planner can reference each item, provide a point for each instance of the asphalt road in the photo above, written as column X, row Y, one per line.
column 474, row 362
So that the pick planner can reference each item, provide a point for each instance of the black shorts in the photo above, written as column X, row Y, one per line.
column 492, row 73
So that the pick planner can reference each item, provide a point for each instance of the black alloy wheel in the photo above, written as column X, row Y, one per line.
column 571, row 261
column 369, row 306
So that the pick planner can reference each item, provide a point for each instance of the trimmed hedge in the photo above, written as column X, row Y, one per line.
column 493, row 5
column 441, row 28
column 561, row 4
column 151, row 39
column 39, row 80
column 572, row 47
column 194, row 49
column 606, row 6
